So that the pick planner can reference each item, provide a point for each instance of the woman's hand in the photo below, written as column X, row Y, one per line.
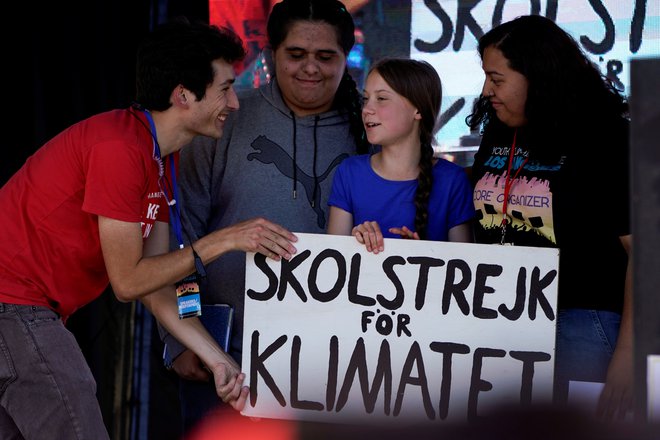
column 370, row 235
column 404, row 232
column 616, row 399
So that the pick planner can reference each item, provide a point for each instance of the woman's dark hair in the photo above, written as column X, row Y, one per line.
column 288, row 12
column 565, row 89
column 180, row 52
column 419, row 83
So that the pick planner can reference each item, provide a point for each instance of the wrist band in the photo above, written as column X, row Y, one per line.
column 199, row 266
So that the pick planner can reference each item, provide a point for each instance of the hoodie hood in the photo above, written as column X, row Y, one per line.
column 272, row 94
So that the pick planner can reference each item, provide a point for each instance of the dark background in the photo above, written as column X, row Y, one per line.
column 63, row 62
column 70, row 60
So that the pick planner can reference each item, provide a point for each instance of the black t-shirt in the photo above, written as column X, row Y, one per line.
column 578, row 202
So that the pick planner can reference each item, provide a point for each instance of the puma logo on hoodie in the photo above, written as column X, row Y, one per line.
column 268, row 152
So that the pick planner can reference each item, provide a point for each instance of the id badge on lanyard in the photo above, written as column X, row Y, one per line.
column 187, row 296
column 187, row 290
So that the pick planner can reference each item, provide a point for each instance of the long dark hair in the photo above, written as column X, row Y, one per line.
column 288, row 12
column 419, row 83
column 566, row 91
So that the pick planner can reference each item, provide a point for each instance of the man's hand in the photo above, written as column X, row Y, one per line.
column 226, row 374
column 229, row 385
column 263, row 236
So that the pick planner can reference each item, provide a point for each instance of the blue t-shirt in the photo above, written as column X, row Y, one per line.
column 357, row 189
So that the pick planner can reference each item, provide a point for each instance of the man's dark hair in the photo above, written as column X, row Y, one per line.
column 181, row 52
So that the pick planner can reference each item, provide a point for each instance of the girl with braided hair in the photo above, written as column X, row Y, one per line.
column 401, row 190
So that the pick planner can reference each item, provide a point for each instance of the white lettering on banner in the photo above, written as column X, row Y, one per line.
column 425, row 330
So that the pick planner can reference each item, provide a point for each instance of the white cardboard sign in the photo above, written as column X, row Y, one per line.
column 430, row 331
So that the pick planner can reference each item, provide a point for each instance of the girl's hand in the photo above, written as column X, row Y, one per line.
column 370, row 235
column 404, row 232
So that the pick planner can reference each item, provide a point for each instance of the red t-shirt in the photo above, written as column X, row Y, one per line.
column 49, row 238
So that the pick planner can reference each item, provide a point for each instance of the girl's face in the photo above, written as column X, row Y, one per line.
column 506, row 88
column 309, row 65
column 389, row 118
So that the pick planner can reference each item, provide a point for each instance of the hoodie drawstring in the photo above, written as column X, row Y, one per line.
column 295, row 150
column 316, row 179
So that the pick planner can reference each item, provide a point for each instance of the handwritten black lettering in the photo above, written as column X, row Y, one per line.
column 414, row 359
column 515, row 312
column 271, row 290
column 287, row 276
column 447, row 349
column 484, row 271
column 536, row 295
column 637, row 25
column 413, row 378
column 425, row 263
column 258, row 369
column 528, row 358
column 382, row 377
column 459, row 282
column 388, row 268
column 333, row 368
column 331, row 294
column 477, row 384
column 446, row 26
column 464, row 19
column 608, row 39
column 456, row 289
column 353, row 295
column 295, row 369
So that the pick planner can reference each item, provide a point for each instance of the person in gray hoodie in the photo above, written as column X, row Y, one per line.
column 275, row 160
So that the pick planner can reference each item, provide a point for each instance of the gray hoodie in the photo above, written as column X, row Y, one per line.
column 268, row 164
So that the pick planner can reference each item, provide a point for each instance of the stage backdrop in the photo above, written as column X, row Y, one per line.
column 445, row 33
column 425, row 331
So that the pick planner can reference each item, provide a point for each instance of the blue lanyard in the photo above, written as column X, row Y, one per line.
column 175, row 212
